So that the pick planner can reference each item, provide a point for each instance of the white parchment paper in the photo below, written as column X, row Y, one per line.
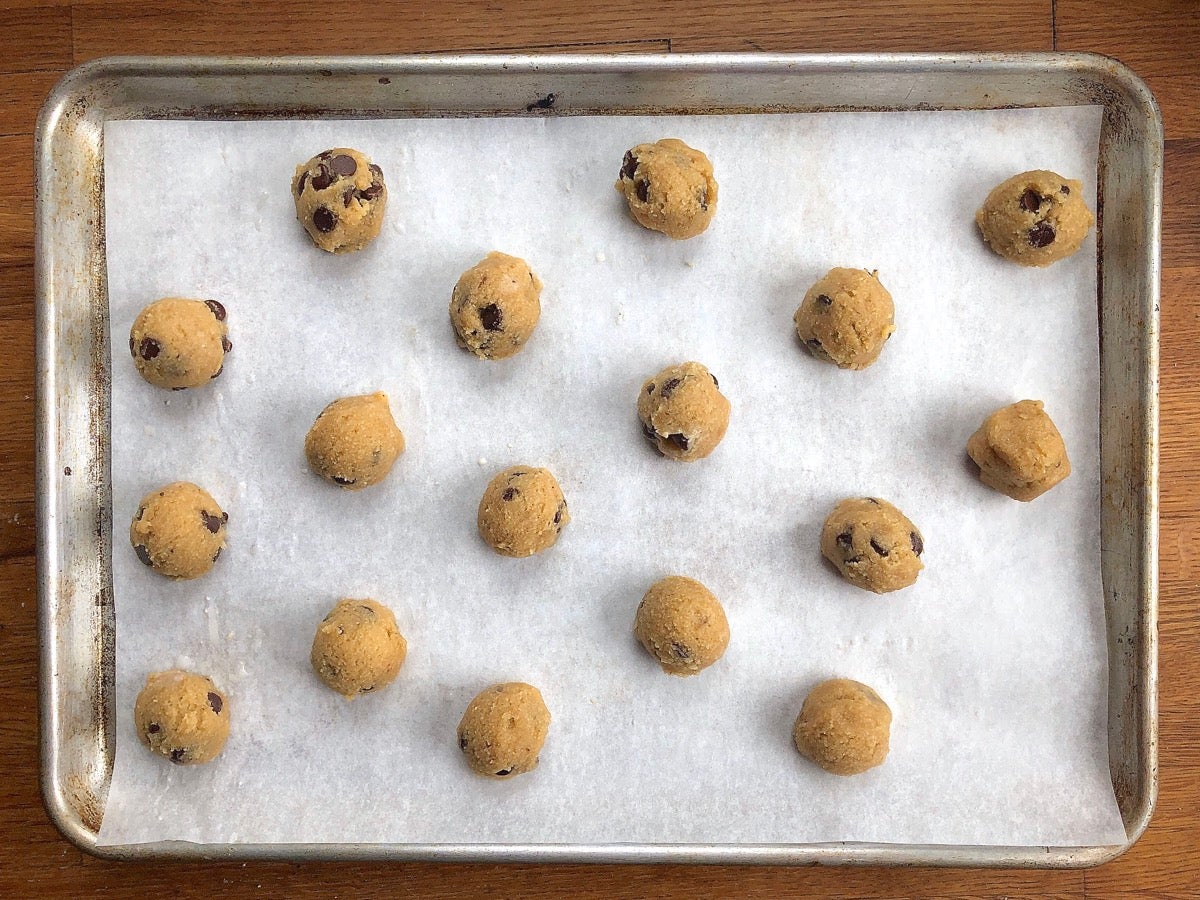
column 994, row 663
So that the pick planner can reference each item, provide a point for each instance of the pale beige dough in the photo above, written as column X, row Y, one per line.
column 1019, row 451
column 846, row 318
column 178, row 530
column 354, row 442
column 178, row 343
column 502, row 732
column 873, row 544
column 340, row 199
column 683, row 412
column 358, row 648
column 1035, row 218
column 669, row 188
column 522, row 511
column 182, row 716
column 682, row 625
column 495, row 306
column 844, row 727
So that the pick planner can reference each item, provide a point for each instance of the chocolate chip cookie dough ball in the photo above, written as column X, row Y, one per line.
column 873, row 544
column 178, row 343
column 682, row 625
column 178, row 530
column 354, row 442
column 1035, row 218
column 1019, row 451
column 669, row 188
column 340, row 199
column 683, row 412
column 495, row 306
column 358, row 648
column 844, row 727
column 182, row 716
column 522, row 511
column 846, row 318
column 503, row 730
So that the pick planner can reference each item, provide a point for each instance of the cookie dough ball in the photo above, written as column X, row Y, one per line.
column 495, row 306
column 873, row 544
column 355, row 442
column 178, row 530
column 669, row 188
column 182, row 716
column 340, row 199
column 1035, row 218
column 358, row 648
column 682, row 625
column 683, row 412
column 843, row 727
column 503, row 729
column 846, row 318
column 1019, row 451
column 522, row 511
column 178, row 343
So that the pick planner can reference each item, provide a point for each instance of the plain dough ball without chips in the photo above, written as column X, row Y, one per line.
column 844, row 727
column 683, row 412
column 522, row 511
column 1035, row 218
column 873, row 544
column 182, row 716
column 340, row 199
column 177, row 343
column 682, row 625
column 846, row 318
column 358, row 648
column 495, row 306
column 178, row 530
column 669, row 188
column 354, row 442
column 503, row 730
column 1019, row 451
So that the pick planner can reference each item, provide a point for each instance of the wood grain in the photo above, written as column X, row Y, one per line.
column 43, row 38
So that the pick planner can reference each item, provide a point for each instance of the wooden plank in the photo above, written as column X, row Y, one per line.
column 1157, row 38
column 21, row 96
column 1181, row 204
column 16, row 212
column 35, row 38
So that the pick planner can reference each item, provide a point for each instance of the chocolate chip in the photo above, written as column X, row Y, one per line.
column 669, row 387
column 344, row 482
column 716, row 383
column 324, row 219
column 918, row 544
column 1041, row 235
column 366, row 690
column 224, row 517
column 844, row 540
column 878, row 547
column 226, row 345
column 217, row 555
column 629, row 165
column 650, row 388
column 211, row 522
column 852, row 560
column 1031, row 200
column 325, row 154
column 138, row 515
column 562, row 507
column 504, row 772
column 300, row 183
column 215, row 701
column 509, row 494
column 217, row 309
column 492, row 317
column 680, row 440
column 143, row 554
column 375, row 170
column 347, row 196
column 681, row 651
column 462, row 742
column 343, row 165
column 323, row 179
column 642, row 188
column 1064, row 189
column 149, row 348
column 649, row 433
column 132, row 352
column 872, row 500
column 824, row 300
column 371, row 192
column 153, row 728
column 177, row 755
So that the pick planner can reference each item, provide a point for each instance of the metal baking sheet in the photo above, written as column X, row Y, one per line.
column 77, row 624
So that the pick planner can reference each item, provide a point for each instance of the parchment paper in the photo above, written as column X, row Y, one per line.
column 993, row 663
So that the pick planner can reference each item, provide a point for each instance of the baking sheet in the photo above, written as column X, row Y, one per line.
column 994, row 663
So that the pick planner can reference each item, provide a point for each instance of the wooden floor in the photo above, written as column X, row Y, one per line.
column 41, row 40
